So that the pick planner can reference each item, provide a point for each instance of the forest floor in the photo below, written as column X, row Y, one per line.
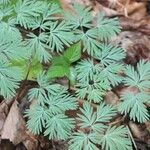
column 134, row 16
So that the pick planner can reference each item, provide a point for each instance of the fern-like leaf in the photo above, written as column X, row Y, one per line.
column 138, row 77
column 107, row 27
column 86, row 69
column 4, row 2
column 43, row 21
column 54, row 96
column 59, row 127
column 116, row 138
column 37, row 47
column 59, row 35
column 96, row 120
column 81, row 16
column 26, row 10
column 111, row 73
column 5, row 11
column 110, row 54
column 89, row 40
column 37, row 116
column 134, row 104
column 40, row 93
column 81, row 140
column 11, row 45
column 9, row 80
column 61, row 102
column 93, row 89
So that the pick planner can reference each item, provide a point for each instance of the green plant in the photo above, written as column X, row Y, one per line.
column 40, row 42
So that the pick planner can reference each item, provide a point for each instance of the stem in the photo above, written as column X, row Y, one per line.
column 132, row 139
column 69, row 84
column 24, row 83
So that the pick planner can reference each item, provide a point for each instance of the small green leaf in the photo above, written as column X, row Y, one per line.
column 73, row 53
column 61, row 64
column 60, row 67
column 60, row 60
column 22, row 64
column 58, row 71
column 35, row 67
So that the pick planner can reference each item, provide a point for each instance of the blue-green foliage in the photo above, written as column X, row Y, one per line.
column 135, row 103
column 52, row 100
column 40, row 42
column 96, row 78
column 108, row 137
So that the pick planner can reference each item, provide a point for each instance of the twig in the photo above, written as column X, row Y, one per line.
column 118, row 121
column 132, row 139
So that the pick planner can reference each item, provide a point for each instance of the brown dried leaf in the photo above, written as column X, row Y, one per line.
column 2, row 120
column 138, row 131
column 67, row 4
column 135, row 44
column 97, row 6
column 123, row 90
column 14, row 126
column 31, row 143
column 111, row 98
column 137, row 10
column 4, row 106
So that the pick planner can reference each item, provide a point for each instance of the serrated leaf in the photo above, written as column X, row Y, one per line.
column 60, row 60
column 60, row 67
column 35, row 67
column 58, row 71
column 73, row 53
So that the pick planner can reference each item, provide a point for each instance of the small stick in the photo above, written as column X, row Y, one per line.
column 132, row 139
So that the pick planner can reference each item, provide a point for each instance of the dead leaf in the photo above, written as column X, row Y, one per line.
column 111, row 98
column 138, row 131
column 2, row 120
column 135, row 10
column 14, row 126
column 31, row 144
column 4, row 106
column 135, row 44
column 129, row 90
